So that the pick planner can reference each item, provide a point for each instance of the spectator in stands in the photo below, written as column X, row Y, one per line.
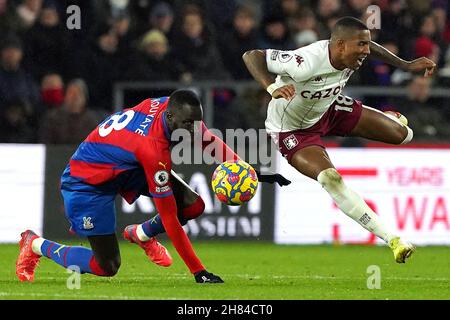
column 256, row 102
column 243, row 36
column 71, row 123
column 162, row 18
column 154, row 62
column 103, row 66
column 439, row 13
column 52, row 91
column 289, row 10
column 147, row 15
column 14, row 125
column 275, row 34
column 427, row 44
column 304, row 38
column 195, row 48
column 45, row 43
column 15, row 83
column 304, row 20
column 393, row 21
column 29, row 12
column 356, row 8
column 104, row 51
column 444, row 72
column 327, row 10
column 120, row 26
column 426, row 116
column 107, row 10
column 305, row 29
column 10, row 21
column 225, row 104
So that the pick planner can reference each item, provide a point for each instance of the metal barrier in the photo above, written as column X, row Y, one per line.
column 205, row 91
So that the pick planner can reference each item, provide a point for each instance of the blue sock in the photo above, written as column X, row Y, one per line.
column 68, row 256
column 154, row 226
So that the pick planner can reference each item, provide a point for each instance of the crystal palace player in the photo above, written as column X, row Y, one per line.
column 307, row 104
column 129, row 154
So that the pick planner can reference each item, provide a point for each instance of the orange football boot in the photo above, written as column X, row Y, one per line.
column 153, row 249
column 28, row 260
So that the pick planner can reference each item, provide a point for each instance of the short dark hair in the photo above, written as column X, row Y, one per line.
column 181, row 97
column 346, row 24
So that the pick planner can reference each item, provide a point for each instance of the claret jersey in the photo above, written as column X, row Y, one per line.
column 317, row 84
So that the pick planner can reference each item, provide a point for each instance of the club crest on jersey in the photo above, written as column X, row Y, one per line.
column 161, row 177
column 290, row 142
column 299, row 60
column 285, row 57
column 87, row 224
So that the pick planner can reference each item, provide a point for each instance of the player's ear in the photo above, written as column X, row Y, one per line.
column 340, row 44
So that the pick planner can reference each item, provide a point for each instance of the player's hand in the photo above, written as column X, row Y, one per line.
column 207, row 277
column 272, row 178
column 287, row 92
column 422, row 64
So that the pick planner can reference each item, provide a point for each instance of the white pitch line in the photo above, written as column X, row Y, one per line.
column 358, row 278
column 247, row 276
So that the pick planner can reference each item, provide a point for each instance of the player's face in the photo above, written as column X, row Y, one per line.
column 356, row 49
column 186, row 117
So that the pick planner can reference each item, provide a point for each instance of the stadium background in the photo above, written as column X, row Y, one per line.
column 56, row 84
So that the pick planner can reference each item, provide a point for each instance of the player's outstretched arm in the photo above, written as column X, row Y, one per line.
column 421, row 64
column 218, row 149
column 226, row 154
column 255, row 60
column 167, row 209
column 157, row 166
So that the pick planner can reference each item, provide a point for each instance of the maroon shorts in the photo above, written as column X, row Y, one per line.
column 339, row 120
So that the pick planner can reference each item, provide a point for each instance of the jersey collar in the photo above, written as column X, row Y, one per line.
column 166, row 127
column 329, row 58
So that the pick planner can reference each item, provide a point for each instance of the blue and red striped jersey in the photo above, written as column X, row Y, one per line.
column 132, row 140
column 130, row 150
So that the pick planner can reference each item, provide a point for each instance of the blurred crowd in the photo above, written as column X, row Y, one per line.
column 56, row 83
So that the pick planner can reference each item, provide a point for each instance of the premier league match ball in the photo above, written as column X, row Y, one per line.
column 234, row 182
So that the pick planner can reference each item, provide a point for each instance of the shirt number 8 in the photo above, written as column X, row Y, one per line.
column 115, row 122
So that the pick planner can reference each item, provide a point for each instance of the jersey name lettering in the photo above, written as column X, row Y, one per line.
column 323, row 94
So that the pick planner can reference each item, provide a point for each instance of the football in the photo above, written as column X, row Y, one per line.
column 234, row 182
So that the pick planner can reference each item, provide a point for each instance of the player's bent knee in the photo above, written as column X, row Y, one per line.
column 330, row 179
column 194, row 210
column 408, row 137
column 110, row 267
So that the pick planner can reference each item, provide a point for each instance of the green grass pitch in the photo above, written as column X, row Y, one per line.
column 251, row 270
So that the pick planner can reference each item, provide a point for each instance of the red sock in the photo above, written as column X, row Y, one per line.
column 96, row 269
column 194, row 210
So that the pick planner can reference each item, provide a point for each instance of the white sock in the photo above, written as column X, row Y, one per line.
column 36, row 245
column 141, row 234
column 352, row 204
column 409, row 136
